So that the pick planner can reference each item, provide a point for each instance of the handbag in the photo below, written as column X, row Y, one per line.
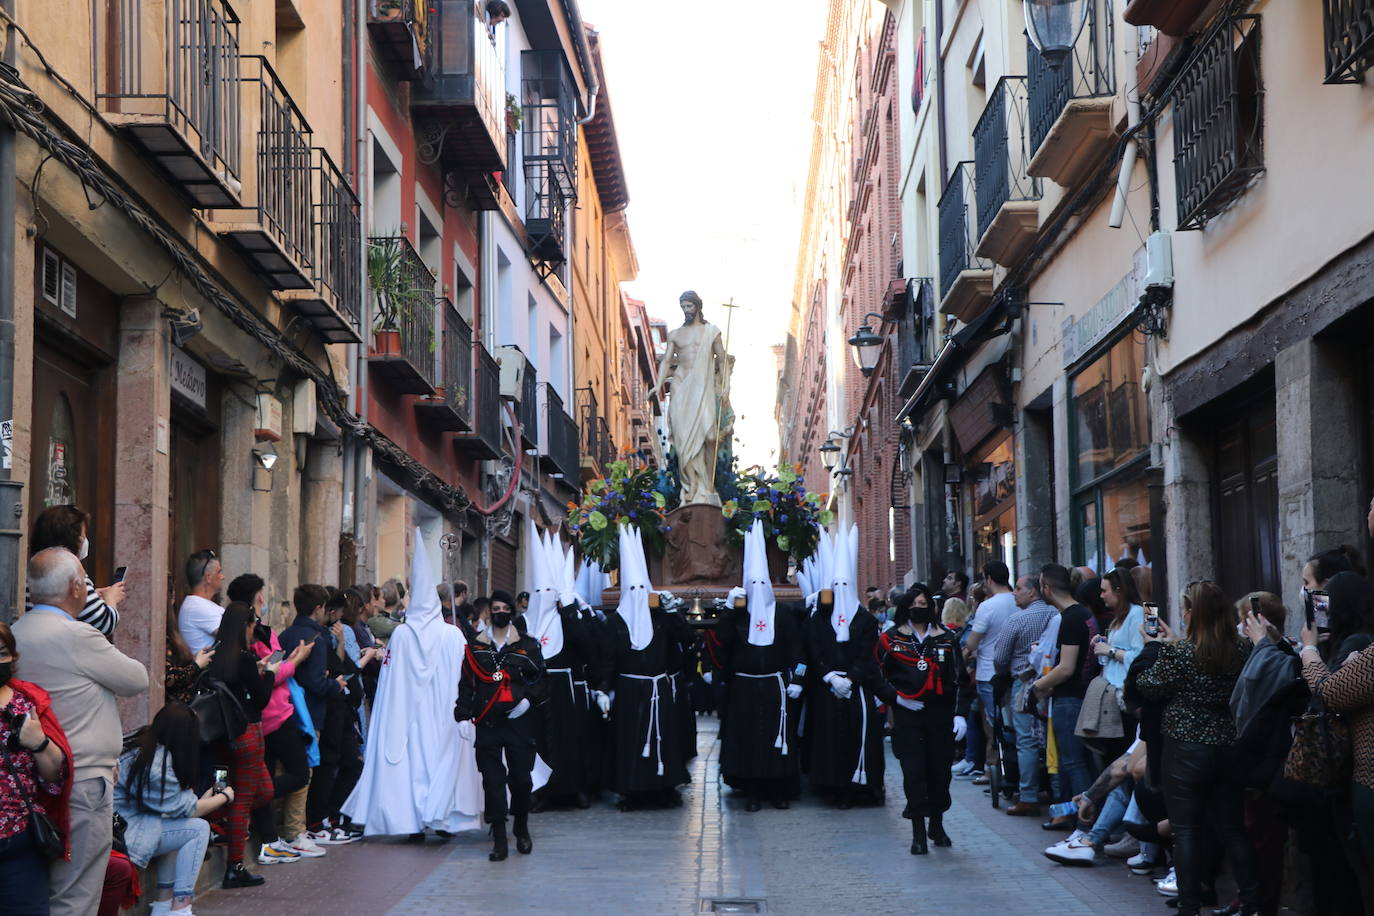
column 1320, row 756
column 218, row 711
column 46, row 837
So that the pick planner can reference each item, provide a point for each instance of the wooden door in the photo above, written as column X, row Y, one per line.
column 1246, row 499
column 193, row 504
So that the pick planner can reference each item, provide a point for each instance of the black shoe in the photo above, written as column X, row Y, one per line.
column 238, row 876
column 524, row 843
column 781, row 804
column 752, row 805
column 937, row 833
column 583, row 801
column 416, row 837
column 918, row 837
column 538, row 803
column 499, row 850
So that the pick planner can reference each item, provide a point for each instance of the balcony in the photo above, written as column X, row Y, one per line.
column 527, row 410
column 276, row 235
column 403, row 331
column 1218, row 120
column 965, row 278
column 461, row 113
column 597, row 450
column 1172, row 17
column 909, row 305
column 400, row 34
column 1347, row 39
column 334, row 306
column 549, row 153
column 1007, row 197
column 173, row 91
column 1071, row 121
column 450, row 407
column 484, row 439
column 558, row 455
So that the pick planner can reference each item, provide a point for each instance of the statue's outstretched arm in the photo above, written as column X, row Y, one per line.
column 668, row 353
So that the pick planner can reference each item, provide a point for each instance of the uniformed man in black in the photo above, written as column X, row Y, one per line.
column 502, row 679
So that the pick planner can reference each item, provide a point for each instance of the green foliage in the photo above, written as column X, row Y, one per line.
column 628, row 496
column 790, row 514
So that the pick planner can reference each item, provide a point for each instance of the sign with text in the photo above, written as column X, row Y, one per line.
column 188, row 377
column 1105, row 316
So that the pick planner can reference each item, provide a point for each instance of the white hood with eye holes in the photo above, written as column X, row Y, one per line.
column 634, row 588
column 758, row 587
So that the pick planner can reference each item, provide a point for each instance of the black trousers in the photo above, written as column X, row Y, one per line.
column 1202, row 791
column 505, row 758
column 923, row 743
column 341, row 763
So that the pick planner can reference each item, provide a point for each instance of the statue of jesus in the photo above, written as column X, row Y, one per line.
column 696, row 369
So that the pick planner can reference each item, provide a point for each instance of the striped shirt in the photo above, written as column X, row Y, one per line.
column 95, row 611
column 1018, row 634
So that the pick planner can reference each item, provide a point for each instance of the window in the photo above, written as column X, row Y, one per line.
column 1348, row 40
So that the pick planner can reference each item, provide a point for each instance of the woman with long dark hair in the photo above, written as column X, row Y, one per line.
column 162, row 814
column 1121, row 644
column 251, row 682
column 67, row 526
column 1195, row 677
column 926, row 685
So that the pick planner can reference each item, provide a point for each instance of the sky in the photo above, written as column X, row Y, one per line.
column 712, row 107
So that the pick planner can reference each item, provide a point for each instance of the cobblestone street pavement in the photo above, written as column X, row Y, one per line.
column 806, row 860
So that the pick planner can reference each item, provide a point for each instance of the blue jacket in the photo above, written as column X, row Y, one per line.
column 313, row 673
column 162, row 798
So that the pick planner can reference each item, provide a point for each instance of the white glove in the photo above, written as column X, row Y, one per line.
column 960, row 727
column 913, row 705
column 519, row 709
column 732, row 594
column 840, row 685
column 568, row 599
column 466, row 730
column 793, row 691
column 603, row 703
column 706, row 676
column 877, row 703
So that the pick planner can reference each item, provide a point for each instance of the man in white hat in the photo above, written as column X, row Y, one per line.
column 755, row 653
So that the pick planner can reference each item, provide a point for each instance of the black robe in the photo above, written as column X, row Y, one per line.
column 645, row 749
column 843, row 732
column 563, row 720
column 758, row 733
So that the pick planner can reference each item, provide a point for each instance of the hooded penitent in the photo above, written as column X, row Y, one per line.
column 542, row 620
column 821, row 568
column 845, row 559
column 634, row 588
column 418, row 770
column 758, row 587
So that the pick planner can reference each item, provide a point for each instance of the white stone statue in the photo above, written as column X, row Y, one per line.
column 697, row 372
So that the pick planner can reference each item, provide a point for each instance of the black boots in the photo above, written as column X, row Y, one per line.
column 753, row 804
column 524, row 843
column 937, row 831
column 238, row 876
column 918, row 836
column 499, row 850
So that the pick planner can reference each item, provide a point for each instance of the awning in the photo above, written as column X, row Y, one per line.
column 993, row 322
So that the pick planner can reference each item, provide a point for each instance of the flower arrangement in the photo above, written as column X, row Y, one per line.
column 629, row 495
column 790, row 514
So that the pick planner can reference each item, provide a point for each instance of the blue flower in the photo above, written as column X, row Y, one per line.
column 782, row 519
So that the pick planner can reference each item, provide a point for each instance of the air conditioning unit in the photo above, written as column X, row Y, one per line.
column 1159, row 262
column 513, row 366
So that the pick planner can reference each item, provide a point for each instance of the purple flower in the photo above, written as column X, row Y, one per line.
column 782, row 519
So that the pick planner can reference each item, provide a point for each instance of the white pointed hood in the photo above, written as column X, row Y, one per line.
column 542, row 620
column 758, row 587
column 821, row 571
column 424, row 608
column 845, row 559
column 634, row 588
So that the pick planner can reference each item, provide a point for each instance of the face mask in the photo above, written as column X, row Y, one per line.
column 926, row 615
column 501, row 619
column 6, row 672
column 85, row 548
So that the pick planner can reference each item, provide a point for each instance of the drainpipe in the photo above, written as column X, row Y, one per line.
column 1123, row 181
column 940, row 91
column 11, row 491
column 358, row 388
column 580, row 32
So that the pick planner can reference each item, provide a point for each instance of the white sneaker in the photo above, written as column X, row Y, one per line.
column 1123, row 848
column 160, row 908
column 341, row 837
column 277, row 853
column 1078, row 850
column 322, row 837
column 1168, row 885
column 306, row 847
column 1141, row 864
column 960, row 768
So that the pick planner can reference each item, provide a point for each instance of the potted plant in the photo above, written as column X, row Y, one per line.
column 392, row 295
column 514, row 116
column 387, row 10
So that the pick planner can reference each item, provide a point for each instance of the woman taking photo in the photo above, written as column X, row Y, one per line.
column 66, row 526
column 1195, row 677
column 251, row 683
column 1119, row 647
column 925, row 683
column 35, row 772
column 163, row 817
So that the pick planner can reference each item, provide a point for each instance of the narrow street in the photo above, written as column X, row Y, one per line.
column 807, row 860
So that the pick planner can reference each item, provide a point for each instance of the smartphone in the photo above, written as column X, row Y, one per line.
column 221, row 777
column 1151, row 618
column 1320, row 615
column 119, row 574
column 1255, row 605
column 274, row 657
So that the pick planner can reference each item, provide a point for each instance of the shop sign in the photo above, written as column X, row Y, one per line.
column 188, row 377
column 1103, row 318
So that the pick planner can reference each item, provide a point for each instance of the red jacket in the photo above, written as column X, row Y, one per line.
column 56, row 806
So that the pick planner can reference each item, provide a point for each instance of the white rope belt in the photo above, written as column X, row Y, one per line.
column 572, row 690
column 653, row 732
column 861, row 772
column 781, row 740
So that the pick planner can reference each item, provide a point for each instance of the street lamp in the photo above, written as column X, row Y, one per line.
column 1053, row 27
column 866, row 345
column 830, row 454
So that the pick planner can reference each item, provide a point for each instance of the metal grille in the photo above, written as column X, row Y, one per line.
column 283, row 164
column 956, row 229
column 562, row 440
column 1218, row 121
column 487, row 404
column 338, row 240
column 1001, row 151
column 415, row 310
column 528, row 410
column 1348, row 39
column 457, row 368
column 1089, row 72
column 596, row 435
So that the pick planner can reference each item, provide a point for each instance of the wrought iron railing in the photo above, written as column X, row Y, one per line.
column 410, row 294
column 457, row 362
column 1001, row 151
column 561, row 446
column 1218, row 121
column 957, row 238
column 596, row 435
column 1089, row 71
column 1348, row 39
column 403, row 31
column 338, row 240
column 196, row 84
column 548, row 126
column 914, row 325
column 487, row 400
column 283, row 163
column 528, row 410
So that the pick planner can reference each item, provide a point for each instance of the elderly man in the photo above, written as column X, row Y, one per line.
column 84, row 674
column 1012, row 659
column 200, row 613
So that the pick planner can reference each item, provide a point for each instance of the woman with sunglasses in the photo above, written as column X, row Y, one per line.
column 1195, row 676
